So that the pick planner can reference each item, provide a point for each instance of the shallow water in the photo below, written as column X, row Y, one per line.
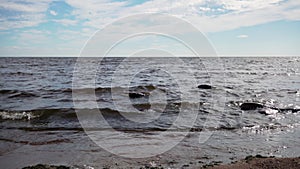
column 38, row 112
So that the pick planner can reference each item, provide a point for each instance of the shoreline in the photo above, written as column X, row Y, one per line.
column 250, row 162
column 260, row 162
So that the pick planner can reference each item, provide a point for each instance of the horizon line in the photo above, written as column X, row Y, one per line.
column 151, row 56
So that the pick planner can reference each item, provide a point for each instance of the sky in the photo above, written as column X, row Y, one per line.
column 233, row 27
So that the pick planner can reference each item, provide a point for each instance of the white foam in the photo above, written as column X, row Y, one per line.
column 270, row 111
column 17, row 115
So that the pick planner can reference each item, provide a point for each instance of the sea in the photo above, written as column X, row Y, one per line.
column 117, row 112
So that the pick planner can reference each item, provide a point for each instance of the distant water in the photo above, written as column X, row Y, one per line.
column 37, row 110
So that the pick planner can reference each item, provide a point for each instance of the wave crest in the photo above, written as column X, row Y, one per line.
column 5, row 115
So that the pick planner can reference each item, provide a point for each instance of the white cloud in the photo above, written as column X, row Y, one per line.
column 95, row 9
column 36, row 31
column 26, row 13
column 205, row 9
column 21, row 21
column 53, row 13
column 208, row 15
column 242, row 36
column 25, row 6
column 237, row 19
column 247, row 5
column 33, row 36
column 66, row 22
column 223, row 14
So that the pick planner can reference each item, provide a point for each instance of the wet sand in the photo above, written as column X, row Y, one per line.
column 261, row 163
column 250, row 162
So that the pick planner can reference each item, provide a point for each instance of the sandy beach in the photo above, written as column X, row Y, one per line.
column 262, row 163
column 250, row 162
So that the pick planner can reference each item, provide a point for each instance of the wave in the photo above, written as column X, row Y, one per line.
column 35, row 114
column 18, row 93
column 23, row 94
column 61, row 117
column 5, row 115
column 264, row 127
column 65, row 113
column 35, row 143
column 69, row 113
column 7, row 91
column 263, row 106
column 147, row 129
column 20, row 73
column 99, row 89
column 35, row 93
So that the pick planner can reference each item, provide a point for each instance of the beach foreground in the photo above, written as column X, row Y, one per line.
column 250, row 162
column 262, row 163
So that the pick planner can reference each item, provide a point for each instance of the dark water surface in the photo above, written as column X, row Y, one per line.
column 39, row 124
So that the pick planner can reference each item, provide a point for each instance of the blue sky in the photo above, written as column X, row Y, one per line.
column 234, row 27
